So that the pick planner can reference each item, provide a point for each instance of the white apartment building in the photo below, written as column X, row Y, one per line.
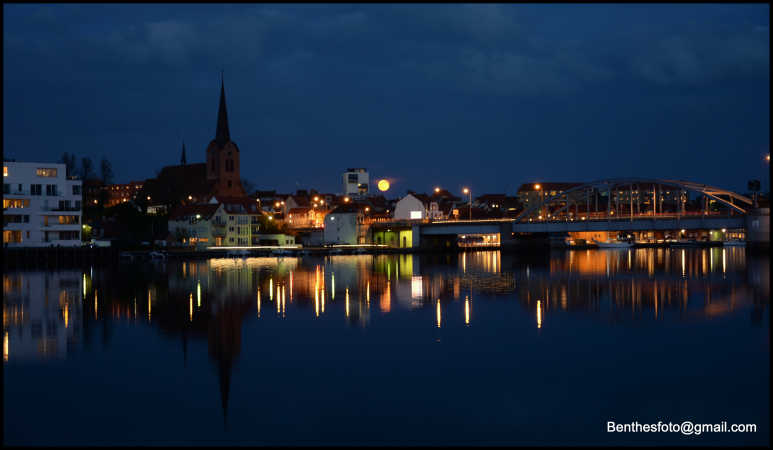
column 41, row 206
column 356, row 182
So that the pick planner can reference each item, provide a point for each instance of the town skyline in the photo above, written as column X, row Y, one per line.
column 546, row 104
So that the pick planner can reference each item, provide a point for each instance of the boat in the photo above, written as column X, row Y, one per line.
column 613, row 244
column 734, row 243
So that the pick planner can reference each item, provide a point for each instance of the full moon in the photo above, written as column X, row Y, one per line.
column 383, row 185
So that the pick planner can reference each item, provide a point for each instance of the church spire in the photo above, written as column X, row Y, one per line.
column 182, row 158
column 222, row 134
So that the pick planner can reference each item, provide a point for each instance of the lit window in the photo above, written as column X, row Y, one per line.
column 46, row 173
column 415, row 214
column 5, row 171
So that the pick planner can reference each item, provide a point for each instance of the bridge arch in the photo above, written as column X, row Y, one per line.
column 730, row 199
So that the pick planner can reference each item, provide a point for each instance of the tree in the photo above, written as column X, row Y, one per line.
column 68, row 159
column 107, row 171
column 249, row 188
column 87, row 168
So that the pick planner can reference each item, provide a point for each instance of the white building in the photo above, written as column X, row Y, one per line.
column 344, row 225
column 41, row 206
column 356, row 182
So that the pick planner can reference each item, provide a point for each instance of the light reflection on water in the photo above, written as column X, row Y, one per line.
column 47, row 314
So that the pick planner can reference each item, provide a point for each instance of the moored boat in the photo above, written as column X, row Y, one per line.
column 613, row 244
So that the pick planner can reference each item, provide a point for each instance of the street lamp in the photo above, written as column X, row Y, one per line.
column 437, row 190
column 541, row 199
column 467, row 191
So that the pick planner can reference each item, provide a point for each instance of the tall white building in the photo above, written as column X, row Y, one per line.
column 41, row 206
column 355, row 182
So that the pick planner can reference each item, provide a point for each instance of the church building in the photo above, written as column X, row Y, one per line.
column 214, row 180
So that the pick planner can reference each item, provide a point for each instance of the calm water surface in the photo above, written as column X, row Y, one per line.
column 474, row 348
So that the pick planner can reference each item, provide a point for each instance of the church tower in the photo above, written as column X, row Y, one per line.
column 223, row 157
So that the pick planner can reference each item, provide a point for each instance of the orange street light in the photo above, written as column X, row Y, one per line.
column 467, row 191
column 437, row 189
column 346, row 199
column 537, row 187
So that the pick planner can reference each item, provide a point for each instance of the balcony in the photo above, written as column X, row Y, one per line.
column 16, row 192
column 61, row 208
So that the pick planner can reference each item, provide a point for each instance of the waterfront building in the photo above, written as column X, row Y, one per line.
column 345, row 225
column 418, row 207
column 221, row 222
column 305, row 217
column 532, row 193
column 41, row 205
column 355, row 182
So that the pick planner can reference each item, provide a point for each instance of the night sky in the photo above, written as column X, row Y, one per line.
column 485, row 96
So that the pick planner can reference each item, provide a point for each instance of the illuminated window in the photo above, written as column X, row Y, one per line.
column 68, row 220
column 5, row 171
column 415, row 214
column 16, row 203
column 46, row 173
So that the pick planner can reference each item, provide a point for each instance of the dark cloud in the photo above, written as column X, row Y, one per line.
column 487, row 95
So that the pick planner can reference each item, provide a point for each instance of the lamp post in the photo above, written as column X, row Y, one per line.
column 467, row 191
column 541, row 199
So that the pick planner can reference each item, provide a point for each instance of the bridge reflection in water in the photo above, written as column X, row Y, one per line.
column 49, row 314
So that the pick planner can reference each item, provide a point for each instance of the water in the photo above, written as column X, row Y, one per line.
column 474, row 348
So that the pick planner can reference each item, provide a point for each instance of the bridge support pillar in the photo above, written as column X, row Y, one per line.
column 506, row 239
column 415, row 236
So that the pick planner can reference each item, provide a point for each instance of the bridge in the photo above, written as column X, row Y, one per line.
column 640, row 207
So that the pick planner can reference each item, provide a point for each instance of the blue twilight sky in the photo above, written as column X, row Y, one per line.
column 486, row 95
